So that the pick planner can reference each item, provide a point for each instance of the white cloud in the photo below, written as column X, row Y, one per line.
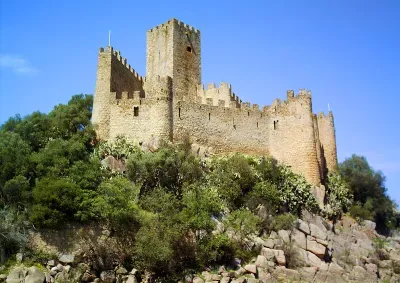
column 17, row 64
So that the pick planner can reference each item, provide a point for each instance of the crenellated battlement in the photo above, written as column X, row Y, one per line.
column 117, row 54
column 176, row 22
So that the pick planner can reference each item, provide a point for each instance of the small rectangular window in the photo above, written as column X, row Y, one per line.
column 135, row 111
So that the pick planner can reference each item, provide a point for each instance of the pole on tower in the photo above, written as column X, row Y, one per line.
column 109, row 38
column 329, row 108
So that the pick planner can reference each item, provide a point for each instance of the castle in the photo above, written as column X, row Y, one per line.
column 170, row 102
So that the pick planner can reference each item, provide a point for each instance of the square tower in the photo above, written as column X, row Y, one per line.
column 173, row 49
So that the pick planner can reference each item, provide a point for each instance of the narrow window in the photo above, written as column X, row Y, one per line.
column 179, row 112
column 189, row 49
column 248, row 113
column 274, row 125
column 136, row 111
column 257, row 124
column 209, row 116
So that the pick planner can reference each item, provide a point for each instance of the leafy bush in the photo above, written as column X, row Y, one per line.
column 283, row 222
column 296, row 192
column 13, row 233
column 120, row 147
column 360, row 213
column 242, row 223
column 56, row 200
column 338, row 194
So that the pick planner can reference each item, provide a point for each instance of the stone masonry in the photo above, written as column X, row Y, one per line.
column 170, row 102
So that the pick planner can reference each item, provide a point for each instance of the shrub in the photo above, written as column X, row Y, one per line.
column 242, row 223
column 360, row 213
column 339, row 197
column 284, row 221
column 13, row 233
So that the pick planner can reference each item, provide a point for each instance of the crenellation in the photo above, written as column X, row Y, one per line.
column 171, row 101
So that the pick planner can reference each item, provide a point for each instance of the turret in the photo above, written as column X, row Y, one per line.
column 173, row 49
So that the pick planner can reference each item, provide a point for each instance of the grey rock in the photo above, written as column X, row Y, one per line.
column 371, row 268
column 303, row 226
column 267, row 253
column 121, row 271
column 261, row 261
column 225, row 279
column 132, row 279
column 198, row 280
column 317, row 232
column 316, row 248
column 16, row 275
column 280, row 257
column 108, row 276
column 313, row 260
column 35, row 275
column 252, row 268
column 19, row 257
column 66, row 258
column 284, row 235
column 299, row 239
column 60, row 267
column 369, row 224
column 51, row 263
column 134, row 271
column 88, row 277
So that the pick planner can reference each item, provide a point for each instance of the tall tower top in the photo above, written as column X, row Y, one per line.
column 174, row 50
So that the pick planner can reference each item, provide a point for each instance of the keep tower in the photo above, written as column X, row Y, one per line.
column 173, row 49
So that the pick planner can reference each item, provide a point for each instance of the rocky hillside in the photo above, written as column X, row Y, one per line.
column 314, row 250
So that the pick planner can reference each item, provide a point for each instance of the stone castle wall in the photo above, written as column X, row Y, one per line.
column 170, row 102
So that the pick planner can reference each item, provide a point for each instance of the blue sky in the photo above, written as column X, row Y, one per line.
column 345, row 52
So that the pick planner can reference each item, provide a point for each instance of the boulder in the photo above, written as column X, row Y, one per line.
column 35, row 275
column 252, row 268
column 307, row 273
column 59, row 267
column 66, row 258
column 358, row 273
column 16, row 275
column 132, row 279
column 107, row 276
column 280, row 257
column 269, row 243
column 198, row 280
column 299, row 239
column 371, row 268
column 316, row 248
column 225, row 279
column 317, row 232
column 121, row 271
column 51, row 263
column 88, row 277
column 313, row 260
column 284, row 235
column 369, row 224
column 268, row 253
column 261, row 261
column 19, row 257
column 303, row 226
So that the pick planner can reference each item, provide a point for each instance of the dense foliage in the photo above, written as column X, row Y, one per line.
column 182, row 212
column 370, row 198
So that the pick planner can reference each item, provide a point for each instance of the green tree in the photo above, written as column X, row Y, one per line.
column 16, row 190
column 56, row 200
column 369, row 191
column 14, row 156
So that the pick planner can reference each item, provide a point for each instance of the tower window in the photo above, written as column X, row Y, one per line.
column 209, row 116
column 179, row 112
column 275, row 124
column 136, row 111
column 257, row 124
column 189, row 49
